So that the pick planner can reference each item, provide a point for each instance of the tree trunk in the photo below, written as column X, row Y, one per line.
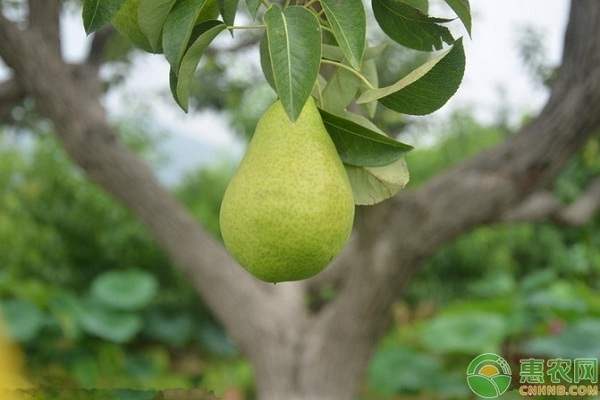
column 319, row 351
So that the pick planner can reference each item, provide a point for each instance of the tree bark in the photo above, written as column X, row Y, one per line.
column 299, row 352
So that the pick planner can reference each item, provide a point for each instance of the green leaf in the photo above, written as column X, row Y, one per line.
column 265, row 62
column 24, row 319
column 360, row 146
column 409, row 26
column 152, row 15
column 97, row 13
column 334, row 53
column 578, row 340
column 340, row 91
column 463, row 11
column 469, row 332
column 427, row 88
column 294, row 43
column 369, row 71
column 349, row 23
column 178, row 29
column 202, row 36
column 124, row 290
column 116, row 326
column 372, row 185
column 228, row 9
column 253, row 6
column 422, row 5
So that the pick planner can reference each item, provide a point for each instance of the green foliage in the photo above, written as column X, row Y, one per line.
column 317, row 48
column 85, row 288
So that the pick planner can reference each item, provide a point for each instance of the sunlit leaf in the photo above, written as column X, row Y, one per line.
column 294, row 44
column 97, row 13
column 427, row 88
column 349, row 23
column 409, row 26
column 371, row 185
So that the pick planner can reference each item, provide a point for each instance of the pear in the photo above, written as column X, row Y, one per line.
column 288, row 210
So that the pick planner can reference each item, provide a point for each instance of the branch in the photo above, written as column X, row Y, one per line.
column 96, row 54
column 245, row 305
column 11, row 94
column 543, row 205
column 44, row 20
column 582, row 210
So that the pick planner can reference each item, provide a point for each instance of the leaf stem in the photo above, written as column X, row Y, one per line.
column 351, row 70
column 266, row 3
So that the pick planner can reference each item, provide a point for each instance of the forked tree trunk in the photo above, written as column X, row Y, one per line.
column 317, row 351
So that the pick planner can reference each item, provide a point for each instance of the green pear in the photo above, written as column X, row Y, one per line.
column 288, row 210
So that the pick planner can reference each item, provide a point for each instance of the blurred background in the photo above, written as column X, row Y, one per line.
column 96, row 304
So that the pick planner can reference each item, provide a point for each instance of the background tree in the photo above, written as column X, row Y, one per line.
column 301, row 352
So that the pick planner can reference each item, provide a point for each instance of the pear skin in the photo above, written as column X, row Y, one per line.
column 288, row 210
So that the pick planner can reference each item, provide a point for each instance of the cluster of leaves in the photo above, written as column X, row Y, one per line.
column 318, row 48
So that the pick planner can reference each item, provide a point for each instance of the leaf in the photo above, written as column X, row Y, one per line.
column 124, row 290
column 24, row 319
column 228, row 9
column 294, row 43
column 409, row 26
column 469, row 332
column 369, row 71
column 349, row 23
column 360, row 146
column 109, row 324
column 97, row 13
column 152, row 15
column 253, row 6
column 178, row 29
column 340, row 90
column 463, row 11
column 265, row 62
column 372, row 185
column 427, row 88
column 202, row 36
column 334, row 53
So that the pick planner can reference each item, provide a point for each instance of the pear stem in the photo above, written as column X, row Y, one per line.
column 351, row 70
